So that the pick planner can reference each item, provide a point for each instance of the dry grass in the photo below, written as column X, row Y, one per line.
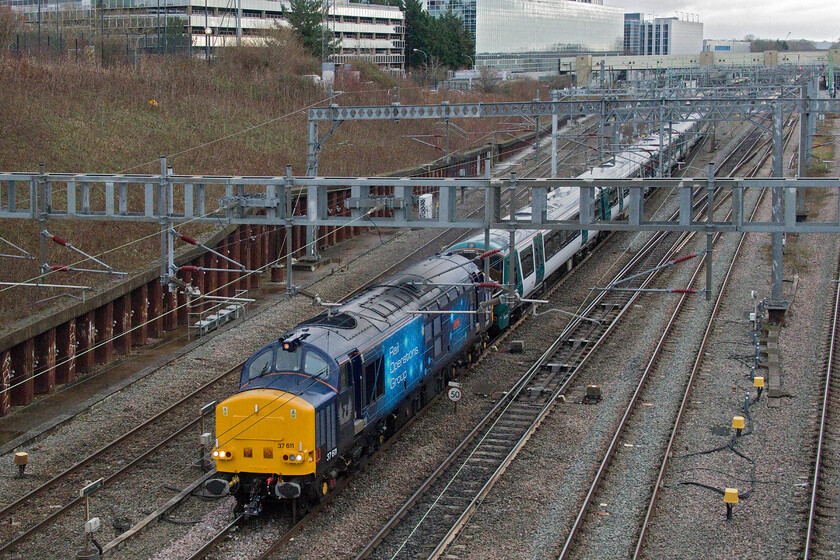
column 75, row 116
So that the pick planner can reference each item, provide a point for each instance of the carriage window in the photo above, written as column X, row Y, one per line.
column 261, row 364
column 553, row 243
column 526, row 259
column 571, row 237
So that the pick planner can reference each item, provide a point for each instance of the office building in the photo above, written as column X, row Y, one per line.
column 367, row 31
column 530, row 35
column 661, row 36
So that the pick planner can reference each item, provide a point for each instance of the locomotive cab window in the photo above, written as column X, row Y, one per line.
column 314, row 365
column 261, row 364
column 343, row 376
column 288, row 361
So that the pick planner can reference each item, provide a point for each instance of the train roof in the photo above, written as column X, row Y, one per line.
column 374, row 312
column 561, row 204
column 361, row 323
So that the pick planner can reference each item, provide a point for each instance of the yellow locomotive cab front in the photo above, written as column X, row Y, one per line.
column 265, row 431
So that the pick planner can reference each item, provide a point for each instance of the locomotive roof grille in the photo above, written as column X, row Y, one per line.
column 337, row 320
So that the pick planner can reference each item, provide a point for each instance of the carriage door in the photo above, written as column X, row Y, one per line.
column 539, row 258
column 345, row 402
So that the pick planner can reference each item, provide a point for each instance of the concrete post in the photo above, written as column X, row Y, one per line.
column 86, row 337
column 122, row 324
column 140, row 313
column 104, row 317
column 5, row 382
column 23, row 365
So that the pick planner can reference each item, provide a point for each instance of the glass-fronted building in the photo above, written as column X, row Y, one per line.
column 530, row 35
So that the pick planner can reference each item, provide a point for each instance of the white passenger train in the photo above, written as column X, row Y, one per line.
column 540, row 253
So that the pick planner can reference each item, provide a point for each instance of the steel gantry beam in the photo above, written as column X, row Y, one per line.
column 622, row 110
column 175, row 199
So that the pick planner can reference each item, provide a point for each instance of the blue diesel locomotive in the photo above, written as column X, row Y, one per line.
column 332, row 389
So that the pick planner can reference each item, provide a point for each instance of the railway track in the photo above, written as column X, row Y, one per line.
column 30, row 519
column 431, row 519
column 696, row 367
column 822, row 533
column 665, row 351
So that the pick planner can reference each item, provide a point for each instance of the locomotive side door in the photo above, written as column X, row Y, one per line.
column 346, row 415
column 356, row 392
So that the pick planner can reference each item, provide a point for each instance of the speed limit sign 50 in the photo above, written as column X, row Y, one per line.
column 454, row 394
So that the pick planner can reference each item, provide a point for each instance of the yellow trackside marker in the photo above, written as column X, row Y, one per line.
column 730, row 498
column 738, row 424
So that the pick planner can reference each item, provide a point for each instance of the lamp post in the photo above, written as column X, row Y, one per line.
column 471, row 61
column 207, row 33
column 423, row 53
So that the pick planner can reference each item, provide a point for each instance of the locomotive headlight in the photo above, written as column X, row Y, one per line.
column 299, row 458
column 215, row 454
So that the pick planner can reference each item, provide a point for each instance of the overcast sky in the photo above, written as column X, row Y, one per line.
column 817, row 20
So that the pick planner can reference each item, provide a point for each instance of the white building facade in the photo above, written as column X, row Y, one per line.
column 662, row 36
column 725, row 46
column 366, row 31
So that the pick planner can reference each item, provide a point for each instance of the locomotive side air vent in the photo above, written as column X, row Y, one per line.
column 337, row 321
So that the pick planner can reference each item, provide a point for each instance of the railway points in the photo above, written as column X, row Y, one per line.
column 465, row 543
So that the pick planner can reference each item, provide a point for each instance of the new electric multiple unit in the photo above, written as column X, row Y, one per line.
column 328, row 392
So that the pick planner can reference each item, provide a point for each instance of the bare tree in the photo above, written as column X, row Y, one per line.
column 10, row 24
column 488, row 80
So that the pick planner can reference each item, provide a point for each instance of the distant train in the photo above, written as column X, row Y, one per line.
column 331, row 390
